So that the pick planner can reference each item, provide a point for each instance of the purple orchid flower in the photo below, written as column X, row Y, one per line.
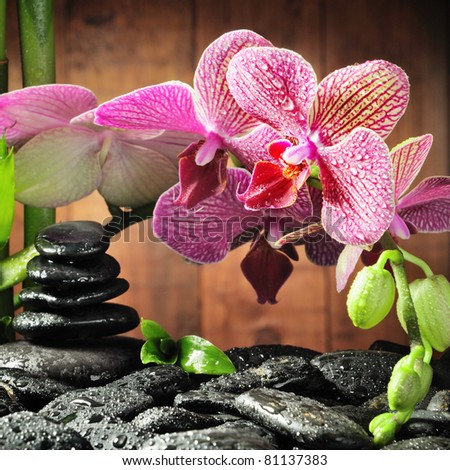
column 208, row 112
column 425, row 209
column 208, row 232
column 63, row 156
column 337, row 125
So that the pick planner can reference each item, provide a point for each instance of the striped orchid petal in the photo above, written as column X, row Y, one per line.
column 373, row 95
column 205, row 234
column 358, row 193
column 168, row 106
column 346, row 264
column 277, row 86
column 133, row 176
column 407, row 160
column 427, row 206
column 215, row 100
column 57, row 167
column 26, row 112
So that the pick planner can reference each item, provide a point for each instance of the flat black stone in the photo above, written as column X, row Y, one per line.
column 86, row 322
column 421, row 443
column 207, row 401
column 74, row 239
column 31, row 391
column 289, row 373
column 307, row 421
column 162, row 382
column 8, row 404
column 96, row 270
column 109, row 401
column 253, row 356
column 223, row 437
column 41, row 297
column 357, row 375
column 81, row 363
column 426, row 423
column 111, row 436
column 440, row 401
column 165, row 419
column 30, row 431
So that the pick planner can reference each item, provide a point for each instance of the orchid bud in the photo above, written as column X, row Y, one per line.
column 371, row 296
column 431, row 298
column 410, row 381
column 384, row 427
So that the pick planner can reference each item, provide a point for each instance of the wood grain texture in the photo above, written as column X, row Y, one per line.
column 113, row 47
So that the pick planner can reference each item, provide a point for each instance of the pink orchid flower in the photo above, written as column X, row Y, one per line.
column 208, row 112
column 208, row 232
column 425, row 209
column 338, row 125
column 62, row 156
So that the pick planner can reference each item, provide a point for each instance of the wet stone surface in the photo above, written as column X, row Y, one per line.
column 27, row 430
column 243, row 358
column 207, row 401
column 289, row 373
column 98, row 394
column 162, row 383
column 307, row 421
column 219, row 437
column 85, row 322
column 167, row 419
column 51, row 272
column 79, row 363
column 357, row 375
column 440, row 401
column 78, row 239
column 30, row 391
column 41, row 297
column 109, row 401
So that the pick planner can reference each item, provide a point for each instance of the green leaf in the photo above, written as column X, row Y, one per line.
column 6, row 192
column 152, row 330
column 151, row 353
column 199, row 356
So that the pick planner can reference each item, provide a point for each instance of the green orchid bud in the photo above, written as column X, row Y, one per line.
column 431, row 298
column 384, row 427
column 371, row 296
column 410, row 381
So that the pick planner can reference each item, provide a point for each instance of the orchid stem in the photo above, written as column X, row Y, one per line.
column 6, row 297
column 405, row 305
column 37, row 44
column 14, row 268
column 418, row 262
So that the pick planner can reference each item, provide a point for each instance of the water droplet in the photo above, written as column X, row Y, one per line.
column 120, row 441
column 353, row 171
column 85, row 401
column 288, row 104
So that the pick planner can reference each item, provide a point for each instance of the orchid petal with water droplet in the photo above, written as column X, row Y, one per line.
column 373, row 95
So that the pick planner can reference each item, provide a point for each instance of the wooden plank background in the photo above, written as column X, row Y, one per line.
column 115, row 46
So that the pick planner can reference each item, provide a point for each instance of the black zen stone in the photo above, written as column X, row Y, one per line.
column 86, row 322
column 253, row 356
column 33, row 392
column 289, row 373
column 220, row 437
column 75, row 239
column 207, row 401
column 426, row 423
column 108, row 401
column 357, row 376
column 421, row 443
column 162, row 382
column 111, row 436
column 81, row 363
column 30, row 431
column 166, row 419
column 440, row 401
column 49, row 272
column 41, row 297
column 8, row 404
column 307, row 421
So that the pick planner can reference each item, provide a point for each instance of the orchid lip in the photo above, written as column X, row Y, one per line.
column 296, row 154
column 208, row 150
column 398, row 228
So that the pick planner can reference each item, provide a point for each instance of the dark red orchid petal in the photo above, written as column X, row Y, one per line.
column 269, row 188
column 266, row 269
column 198, row 183
column 278, row 147
column 289, row 250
